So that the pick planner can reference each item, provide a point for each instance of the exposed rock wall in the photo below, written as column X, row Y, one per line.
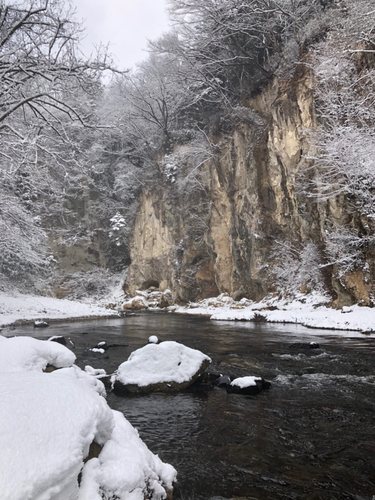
column 250, row 184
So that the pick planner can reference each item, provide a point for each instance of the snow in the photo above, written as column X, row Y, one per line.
column 157, row 363
column 95, row 372
column 26, row 354
column 243, row 382
column 153, row 339
column 307, row 310
column 48, row 422
column 125, row 454
column 22, row 307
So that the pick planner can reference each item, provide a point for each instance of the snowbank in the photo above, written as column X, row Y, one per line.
column 48, row 422
column 168, row 362
column 125, row 454
column 306, row 310
column 29, row 307
column 25, row 353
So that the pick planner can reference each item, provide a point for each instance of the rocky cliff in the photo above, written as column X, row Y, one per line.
column 245, row 201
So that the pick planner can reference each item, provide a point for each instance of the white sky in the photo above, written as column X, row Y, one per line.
column 124, row 24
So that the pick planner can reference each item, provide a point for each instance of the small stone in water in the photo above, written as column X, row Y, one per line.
column 59, row 339
column 40, row 324
column 153, row 339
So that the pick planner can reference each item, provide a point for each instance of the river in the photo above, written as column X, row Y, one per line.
column 310, row 437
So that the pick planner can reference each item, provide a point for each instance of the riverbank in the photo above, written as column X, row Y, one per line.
column 308, row 310
column 22, row 309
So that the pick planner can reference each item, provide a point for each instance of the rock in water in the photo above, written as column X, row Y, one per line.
column 304, row 345
column 165, row 367
column 222, row 381
column 40, row 324
column 248, row 385
column 59, row 339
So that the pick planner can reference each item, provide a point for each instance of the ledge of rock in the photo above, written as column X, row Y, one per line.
column 165, row 367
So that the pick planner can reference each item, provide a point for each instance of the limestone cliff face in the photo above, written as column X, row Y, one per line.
column 250, row 189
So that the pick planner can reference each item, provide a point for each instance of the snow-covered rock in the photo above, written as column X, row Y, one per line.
column 49, row 422
column 126, row 469
column 136, row 303
column 248, row 385
column 26, row 354
column 40, row 324
column 168, row 366
column 95, row 372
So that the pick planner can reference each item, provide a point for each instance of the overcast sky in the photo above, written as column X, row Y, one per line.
column 124, row 24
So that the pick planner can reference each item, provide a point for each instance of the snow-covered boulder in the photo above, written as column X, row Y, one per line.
column 26, row 354
column 166, row 367
column 49, row 423
column 40, row 324
column 136, row 303
column 248, row 385
column 126, row 469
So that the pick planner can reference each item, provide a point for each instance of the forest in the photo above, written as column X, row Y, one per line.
column 282, row 89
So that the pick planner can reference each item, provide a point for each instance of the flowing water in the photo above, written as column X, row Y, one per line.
column 311, row 436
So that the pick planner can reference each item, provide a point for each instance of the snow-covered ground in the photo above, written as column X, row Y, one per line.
column 48, row 422
column 28, row 307
column 308, row 310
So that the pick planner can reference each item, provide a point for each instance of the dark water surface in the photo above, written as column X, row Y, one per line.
column 312, row 436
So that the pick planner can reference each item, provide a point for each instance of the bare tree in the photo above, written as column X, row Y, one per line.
column 233, row 46
column 48, row 95
column 343, row 166
column 40, row 61
column 297, row 267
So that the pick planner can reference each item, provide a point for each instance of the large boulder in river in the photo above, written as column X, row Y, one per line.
column 165, row 367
